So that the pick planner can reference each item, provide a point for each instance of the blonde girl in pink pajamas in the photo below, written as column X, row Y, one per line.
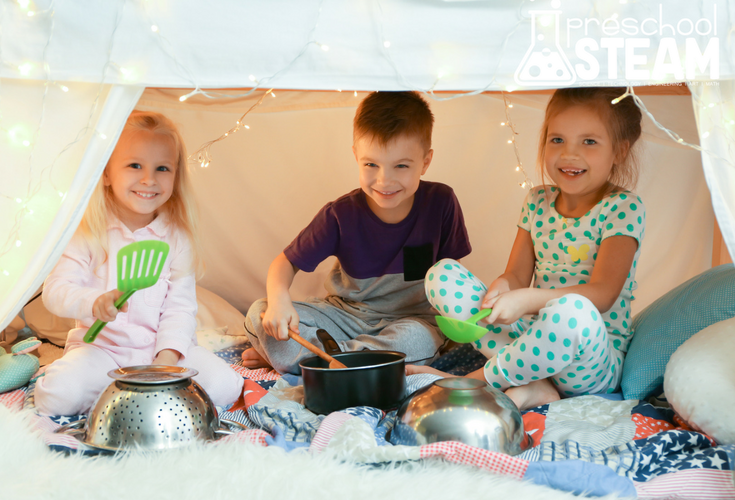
column 572, row 265
column 144, row 194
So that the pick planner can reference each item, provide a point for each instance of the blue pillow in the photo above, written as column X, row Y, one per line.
column 663, row 326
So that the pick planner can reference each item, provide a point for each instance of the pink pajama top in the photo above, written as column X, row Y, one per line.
column 159, row 317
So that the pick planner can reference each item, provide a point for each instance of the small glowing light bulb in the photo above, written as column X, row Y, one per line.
column 61, row 194
column 25, row 69
column 154, row 28
column 705, row 135
column 711, row 105
column 247, row 127
column 273, row 94
column 6, row 273
column 183, row 98
column 19, row 200
column 502, row 124
column 386, row 44
column 65, row 88
column 26, row 143
column 518, row 168
column 24, row 3
column 680, row 139
column 325, row 48
column 251, row 78
column 17, row 243
column 30, row 211
column 510, row 141
column 339, row 90
column 226, row 134
column 355, row 93
column 510, row 105
column 523, row 185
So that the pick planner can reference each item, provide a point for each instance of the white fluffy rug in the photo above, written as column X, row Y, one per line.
column 29, row 470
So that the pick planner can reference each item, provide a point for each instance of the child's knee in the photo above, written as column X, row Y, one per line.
column 56, row 395
column 253, row 320
column 453, row 290
column 575, row 304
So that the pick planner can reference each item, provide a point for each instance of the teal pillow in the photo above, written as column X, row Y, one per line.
column 663, row 326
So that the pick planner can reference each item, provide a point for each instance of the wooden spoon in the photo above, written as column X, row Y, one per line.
column 333, row 363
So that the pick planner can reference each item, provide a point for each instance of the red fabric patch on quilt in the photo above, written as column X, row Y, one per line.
column 251, row 394
column 534, row 425
column 647, row 426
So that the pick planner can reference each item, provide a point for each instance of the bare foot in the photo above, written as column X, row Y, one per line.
column 537, row 393
column 252, row 359
column 415, row 369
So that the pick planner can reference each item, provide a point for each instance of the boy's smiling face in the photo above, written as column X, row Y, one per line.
column 390, row 174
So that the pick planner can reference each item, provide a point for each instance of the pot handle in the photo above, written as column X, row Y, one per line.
column 330, row 345
column 72, row 428
column 223, row 431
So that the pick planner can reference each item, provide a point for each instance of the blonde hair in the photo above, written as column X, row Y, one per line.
column 180, row 207
column 622, row 120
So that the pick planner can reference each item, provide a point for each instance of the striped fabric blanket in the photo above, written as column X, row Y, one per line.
column 590, row 445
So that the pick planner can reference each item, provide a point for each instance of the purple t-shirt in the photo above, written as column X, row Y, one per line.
column 383, row 265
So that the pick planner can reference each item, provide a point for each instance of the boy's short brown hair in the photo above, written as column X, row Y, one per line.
column 388, row 115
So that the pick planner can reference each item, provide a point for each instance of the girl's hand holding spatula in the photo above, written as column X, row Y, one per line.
column 104, row 308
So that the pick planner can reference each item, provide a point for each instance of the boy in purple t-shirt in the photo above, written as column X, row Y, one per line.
column 385, row 236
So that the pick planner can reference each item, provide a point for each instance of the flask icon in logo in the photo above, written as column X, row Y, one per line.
column 545, row 62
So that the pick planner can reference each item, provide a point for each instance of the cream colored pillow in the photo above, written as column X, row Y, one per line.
column 699, row 382
column 216, row 313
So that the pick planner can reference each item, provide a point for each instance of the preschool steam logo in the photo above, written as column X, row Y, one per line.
column 625, row 40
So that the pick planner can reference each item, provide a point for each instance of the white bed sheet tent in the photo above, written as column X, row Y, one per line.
column 72, row 71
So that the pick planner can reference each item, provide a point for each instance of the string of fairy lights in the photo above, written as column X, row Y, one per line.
column 35, row 183
column 203, row 155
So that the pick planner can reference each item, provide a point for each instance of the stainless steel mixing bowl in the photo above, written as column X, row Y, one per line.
column 152, row 407
column 461, row 409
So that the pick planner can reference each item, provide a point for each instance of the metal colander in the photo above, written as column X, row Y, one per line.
column 152, row 407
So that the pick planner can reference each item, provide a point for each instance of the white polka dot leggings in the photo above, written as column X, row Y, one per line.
column 566, row 342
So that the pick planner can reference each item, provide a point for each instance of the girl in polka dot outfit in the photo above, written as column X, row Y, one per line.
column 573, row 262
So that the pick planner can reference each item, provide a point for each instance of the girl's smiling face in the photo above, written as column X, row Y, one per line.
column 141, row 174
column 579, row 153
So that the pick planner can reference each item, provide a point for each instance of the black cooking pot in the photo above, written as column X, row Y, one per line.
column 372, row 378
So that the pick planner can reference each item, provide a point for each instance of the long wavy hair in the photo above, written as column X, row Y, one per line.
column 180, row 208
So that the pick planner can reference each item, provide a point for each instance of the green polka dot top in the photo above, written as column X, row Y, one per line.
column 566, row 248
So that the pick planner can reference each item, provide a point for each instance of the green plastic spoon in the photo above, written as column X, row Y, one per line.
column 464, row 331
column 138, row 266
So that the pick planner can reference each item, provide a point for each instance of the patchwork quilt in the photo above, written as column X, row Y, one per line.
column 592, row 445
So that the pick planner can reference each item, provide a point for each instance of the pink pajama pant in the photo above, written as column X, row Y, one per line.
column 72, row 384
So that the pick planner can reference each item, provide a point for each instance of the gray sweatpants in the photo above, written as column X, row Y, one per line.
column 419, row 339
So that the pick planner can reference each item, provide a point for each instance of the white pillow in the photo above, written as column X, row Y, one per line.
column 214, row 340
column 699, row 382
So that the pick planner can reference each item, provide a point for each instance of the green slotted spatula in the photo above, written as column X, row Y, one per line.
column 138, row 266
